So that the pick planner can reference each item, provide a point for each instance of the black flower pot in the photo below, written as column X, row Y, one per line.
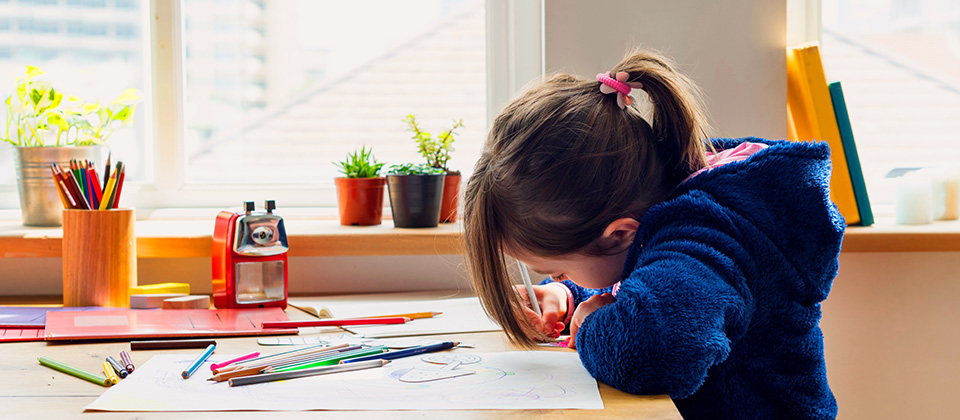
column 415, row 199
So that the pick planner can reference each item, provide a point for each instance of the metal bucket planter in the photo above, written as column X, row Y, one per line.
column 39, row 200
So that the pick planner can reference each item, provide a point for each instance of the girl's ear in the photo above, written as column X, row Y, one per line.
column 618, row 236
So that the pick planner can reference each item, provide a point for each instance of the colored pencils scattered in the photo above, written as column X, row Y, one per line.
column 324, row 370
column 80, row 188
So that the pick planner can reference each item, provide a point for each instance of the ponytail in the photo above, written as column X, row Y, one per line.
column 562, row 161
column 678, row 121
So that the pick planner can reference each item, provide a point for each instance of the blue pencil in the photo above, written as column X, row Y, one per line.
column 406, row 352
column 198, row 361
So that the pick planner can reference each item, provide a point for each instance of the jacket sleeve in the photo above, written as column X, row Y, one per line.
column 679, row 309
column 580, row 294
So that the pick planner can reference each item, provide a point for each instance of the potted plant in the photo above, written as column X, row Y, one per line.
column 415, row 194
column 437, row 152
column 47, row 126
column 360, row 190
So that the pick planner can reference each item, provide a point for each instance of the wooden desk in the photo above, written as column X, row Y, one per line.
column 30, row 390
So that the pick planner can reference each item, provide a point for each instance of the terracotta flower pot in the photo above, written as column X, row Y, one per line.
column 360, row 200
column 451, row 191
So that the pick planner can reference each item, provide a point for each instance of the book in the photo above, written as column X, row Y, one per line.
column 810, row 110
column 124, row 324
column 458, row 315
column 853, row 158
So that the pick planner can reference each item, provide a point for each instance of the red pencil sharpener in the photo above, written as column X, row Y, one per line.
column 250, row 259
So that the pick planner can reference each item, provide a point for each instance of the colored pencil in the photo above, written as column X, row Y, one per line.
column 111, row 375
column 215, row 366
column 257, row 368
column 336, row 322
column 525, row 275
column 56, row 183
column 70, row 370
column 74, row 186
column 329, row 360
column 405, row 352
column 106, row 169
column 127, row 361
column 412, row 315
column 198, row 361
column 170, row 344
column 118, row 173
column 265, row 360
column 121, row 371
column 116, row 198
column 108, row 191
column 324, row 370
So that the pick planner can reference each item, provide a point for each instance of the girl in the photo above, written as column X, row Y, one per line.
column 680, row 266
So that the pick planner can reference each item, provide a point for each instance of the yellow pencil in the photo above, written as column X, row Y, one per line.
column 412, row 315
column 111, row 374
column 108, row 191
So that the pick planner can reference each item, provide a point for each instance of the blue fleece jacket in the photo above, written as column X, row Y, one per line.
column 719, row 304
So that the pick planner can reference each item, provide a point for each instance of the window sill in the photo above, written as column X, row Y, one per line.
column 184, row 235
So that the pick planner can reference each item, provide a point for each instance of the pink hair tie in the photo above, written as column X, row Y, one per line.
column 620, row 85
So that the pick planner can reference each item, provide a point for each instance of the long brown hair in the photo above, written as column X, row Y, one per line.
column 562, row 161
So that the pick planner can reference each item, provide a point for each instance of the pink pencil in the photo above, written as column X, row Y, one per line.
column 336, row 322
column 216, row 366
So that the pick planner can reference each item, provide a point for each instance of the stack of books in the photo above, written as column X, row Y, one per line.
column 817, row 111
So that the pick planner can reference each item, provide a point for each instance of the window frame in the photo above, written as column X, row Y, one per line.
column 514, row 57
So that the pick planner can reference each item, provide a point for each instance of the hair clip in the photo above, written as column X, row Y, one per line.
column 620, row 85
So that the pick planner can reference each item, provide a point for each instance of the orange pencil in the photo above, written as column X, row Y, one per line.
column 412, row 315
column 56, row 183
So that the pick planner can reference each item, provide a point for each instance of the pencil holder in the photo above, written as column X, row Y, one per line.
column 99, row 257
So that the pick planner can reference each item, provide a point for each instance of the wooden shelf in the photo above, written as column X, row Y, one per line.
column 192, row 239
column 326, row 237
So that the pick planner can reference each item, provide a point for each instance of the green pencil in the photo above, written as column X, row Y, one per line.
column 80, row 373
column 329, row 360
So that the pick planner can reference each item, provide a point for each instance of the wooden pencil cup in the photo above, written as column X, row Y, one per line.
column 99, row 257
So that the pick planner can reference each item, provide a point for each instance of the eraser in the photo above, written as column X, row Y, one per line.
column 187, row 302
column 151, row 301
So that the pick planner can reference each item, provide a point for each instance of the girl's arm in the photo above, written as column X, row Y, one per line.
column 675, row 316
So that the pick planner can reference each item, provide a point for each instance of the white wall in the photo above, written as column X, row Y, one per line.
column 733, row 49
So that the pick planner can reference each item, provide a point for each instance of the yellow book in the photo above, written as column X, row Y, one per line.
column 811, row 112
column 160, row 288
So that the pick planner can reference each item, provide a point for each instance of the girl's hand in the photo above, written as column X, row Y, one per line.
column 584, row 309
column 553, row 306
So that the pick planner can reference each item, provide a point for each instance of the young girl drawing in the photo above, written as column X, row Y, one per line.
column 680, row 265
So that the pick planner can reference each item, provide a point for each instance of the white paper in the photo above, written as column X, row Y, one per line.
column 535, row 380
column 460, row 315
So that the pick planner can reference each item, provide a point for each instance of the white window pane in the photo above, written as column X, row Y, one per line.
column 899, row 64
column 91, row 49
column 276, row 90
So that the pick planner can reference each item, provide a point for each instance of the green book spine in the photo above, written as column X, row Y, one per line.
column 853, row 159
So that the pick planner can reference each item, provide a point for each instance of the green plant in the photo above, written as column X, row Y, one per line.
column 360, row 164
column 435, row 150
column 36, row 112
column 414, row 169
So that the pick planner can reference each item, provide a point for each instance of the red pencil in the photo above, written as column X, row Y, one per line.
column 336, row 322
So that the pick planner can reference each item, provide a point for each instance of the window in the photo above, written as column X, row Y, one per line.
column 899, row 64
column 76, row 62
column 276, row 91
column 255, row 99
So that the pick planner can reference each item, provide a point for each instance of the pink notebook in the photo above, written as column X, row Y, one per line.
column 21, row 334
column 171, row 323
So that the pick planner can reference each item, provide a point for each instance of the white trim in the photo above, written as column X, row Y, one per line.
column 804, row 21
column 514, row 49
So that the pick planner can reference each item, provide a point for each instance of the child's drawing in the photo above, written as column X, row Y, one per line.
column 509, row 380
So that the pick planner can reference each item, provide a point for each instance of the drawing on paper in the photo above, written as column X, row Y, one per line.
column 510, row 380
